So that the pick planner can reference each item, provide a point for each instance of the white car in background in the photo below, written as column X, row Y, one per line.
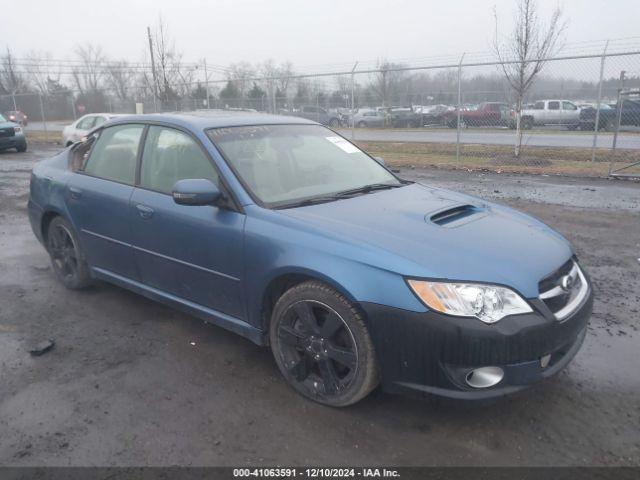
column 77, row 130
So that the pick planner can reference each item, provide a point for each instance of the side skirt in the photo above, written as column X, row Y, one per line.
column 207, row 314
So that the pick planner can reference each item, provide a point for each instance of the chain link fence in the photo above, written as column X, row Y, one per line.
column 581, row 116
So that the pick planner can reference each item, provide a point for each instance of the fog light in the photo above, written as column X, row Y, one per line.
column 484, row 377
column 544, row 361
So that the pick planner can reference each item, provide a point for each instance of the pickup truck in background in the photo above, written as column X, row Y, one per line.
column 493, row 114
column 629, row 116
column 549, row 112
column 318, row 114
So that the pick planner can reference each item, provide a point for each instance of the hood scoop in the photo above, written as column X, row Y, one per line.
column 456, row 215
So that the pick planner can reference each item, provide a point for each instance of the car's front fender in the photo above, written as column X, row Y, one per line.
column 274, row 250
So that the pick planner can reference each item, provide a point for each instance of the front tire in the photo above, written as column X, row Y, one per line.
column 22, row 148
column 67, row 257
column 321, row 345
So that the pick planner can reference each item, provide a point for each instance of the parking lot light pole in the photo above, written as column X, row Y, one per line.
column 459, row 107
column 596, row 126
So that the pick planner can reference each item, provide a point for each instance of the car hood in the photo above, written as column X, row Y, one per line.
column 419, row 231
column 8, row 124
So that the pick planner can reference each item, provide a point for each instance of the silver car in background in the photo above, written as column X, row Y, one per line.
column 370, row 118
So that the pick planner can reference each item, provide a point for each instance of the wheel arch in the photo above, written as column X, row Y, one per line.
column 283, row 280
column 45, row 221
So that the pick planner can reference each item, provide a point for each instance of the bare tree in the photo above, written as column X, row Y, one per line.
column 11, row 79
column 89, row 73
column 172, row 77
column 120, row 78
column 526, row 51
column 277, row 83
column 241, row 75
column 40, row 72
column 386, row 81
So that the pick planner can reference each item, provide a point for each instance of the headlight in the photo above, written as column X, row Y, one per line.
column 488, row 303
column 17, row 129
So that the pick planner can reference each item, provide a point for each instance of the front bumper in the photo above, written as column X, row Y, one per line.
column 432, row 353
column 13, row 142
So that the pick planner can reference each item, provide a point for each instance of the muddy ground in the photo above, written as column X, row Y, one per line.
column 131, row 382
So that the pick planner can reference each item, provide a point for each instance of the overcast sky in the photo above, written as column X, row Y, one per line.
column 311, row 34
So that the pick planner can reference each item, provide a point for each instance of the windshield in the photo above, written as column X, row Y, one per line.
column 284, row 164
column 2, row 119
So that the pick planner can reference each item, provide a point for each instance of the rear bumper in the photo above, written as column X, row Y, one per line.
column 35, row 219
column 433, row 353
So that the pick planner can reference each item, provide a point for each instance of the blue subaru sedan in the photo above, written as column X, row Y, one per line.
column 286, row 233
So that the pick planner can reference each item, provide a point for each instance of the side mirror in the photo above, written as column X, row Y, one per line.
column 197, row 191
column 380, row 160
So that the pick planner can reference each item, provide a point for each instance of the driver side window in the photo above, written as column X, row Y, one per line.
column 171, row 155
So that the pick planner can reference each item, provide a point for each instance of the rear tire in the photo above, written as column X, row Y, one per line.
column 321, row 345
column 334, row 123
column 67, row 257
column 362, row 124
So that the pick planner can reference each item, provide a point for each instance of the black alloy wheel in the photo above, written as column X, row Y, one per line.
column 321, row 345
column 66, row 255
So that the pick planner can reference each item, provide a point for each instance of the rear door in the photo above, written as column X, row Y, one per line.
column 98, row 199
column 192, row 252
column 554, row 113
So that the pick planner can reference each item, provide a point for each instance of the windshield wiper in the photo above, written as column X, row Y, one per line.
column 340, row 195
column 309, row 201
column 367, row 188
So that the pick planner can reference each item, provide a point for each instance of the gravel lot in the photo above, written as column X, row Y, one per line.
column 131, row 382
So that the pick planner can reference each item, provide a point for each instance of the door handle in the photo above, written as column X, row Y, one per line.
column 144, row 211
column 75, row 192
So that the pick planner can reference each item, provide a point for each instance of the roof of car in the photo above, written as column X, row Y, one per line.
column 215, row 118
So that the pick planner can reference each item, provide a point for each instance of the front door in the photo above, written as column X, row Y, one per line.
column 98, row 198
column 191, row 252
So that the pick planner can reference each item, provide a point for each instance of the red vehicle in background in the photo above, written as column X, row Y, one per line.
column 489, row 114
column 17, row 116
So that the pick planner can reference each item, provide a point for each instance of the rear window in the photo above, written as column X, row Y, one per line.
column 114, row 155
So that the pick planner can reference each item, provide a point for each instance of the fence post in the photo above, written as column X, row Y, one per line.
column 44, row 119
column 206, row 82
column 459, row 108
column 73, row 106
column 596, row 126
column 352, row 117
column 618, row 110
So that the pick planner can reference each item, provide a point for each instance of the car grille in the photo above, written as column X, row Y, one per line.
column 565, row 290
column 7, row 132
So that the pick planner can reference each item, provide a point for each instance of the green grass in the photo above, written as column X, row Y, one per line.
column 498, row 158
column 40, row 136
